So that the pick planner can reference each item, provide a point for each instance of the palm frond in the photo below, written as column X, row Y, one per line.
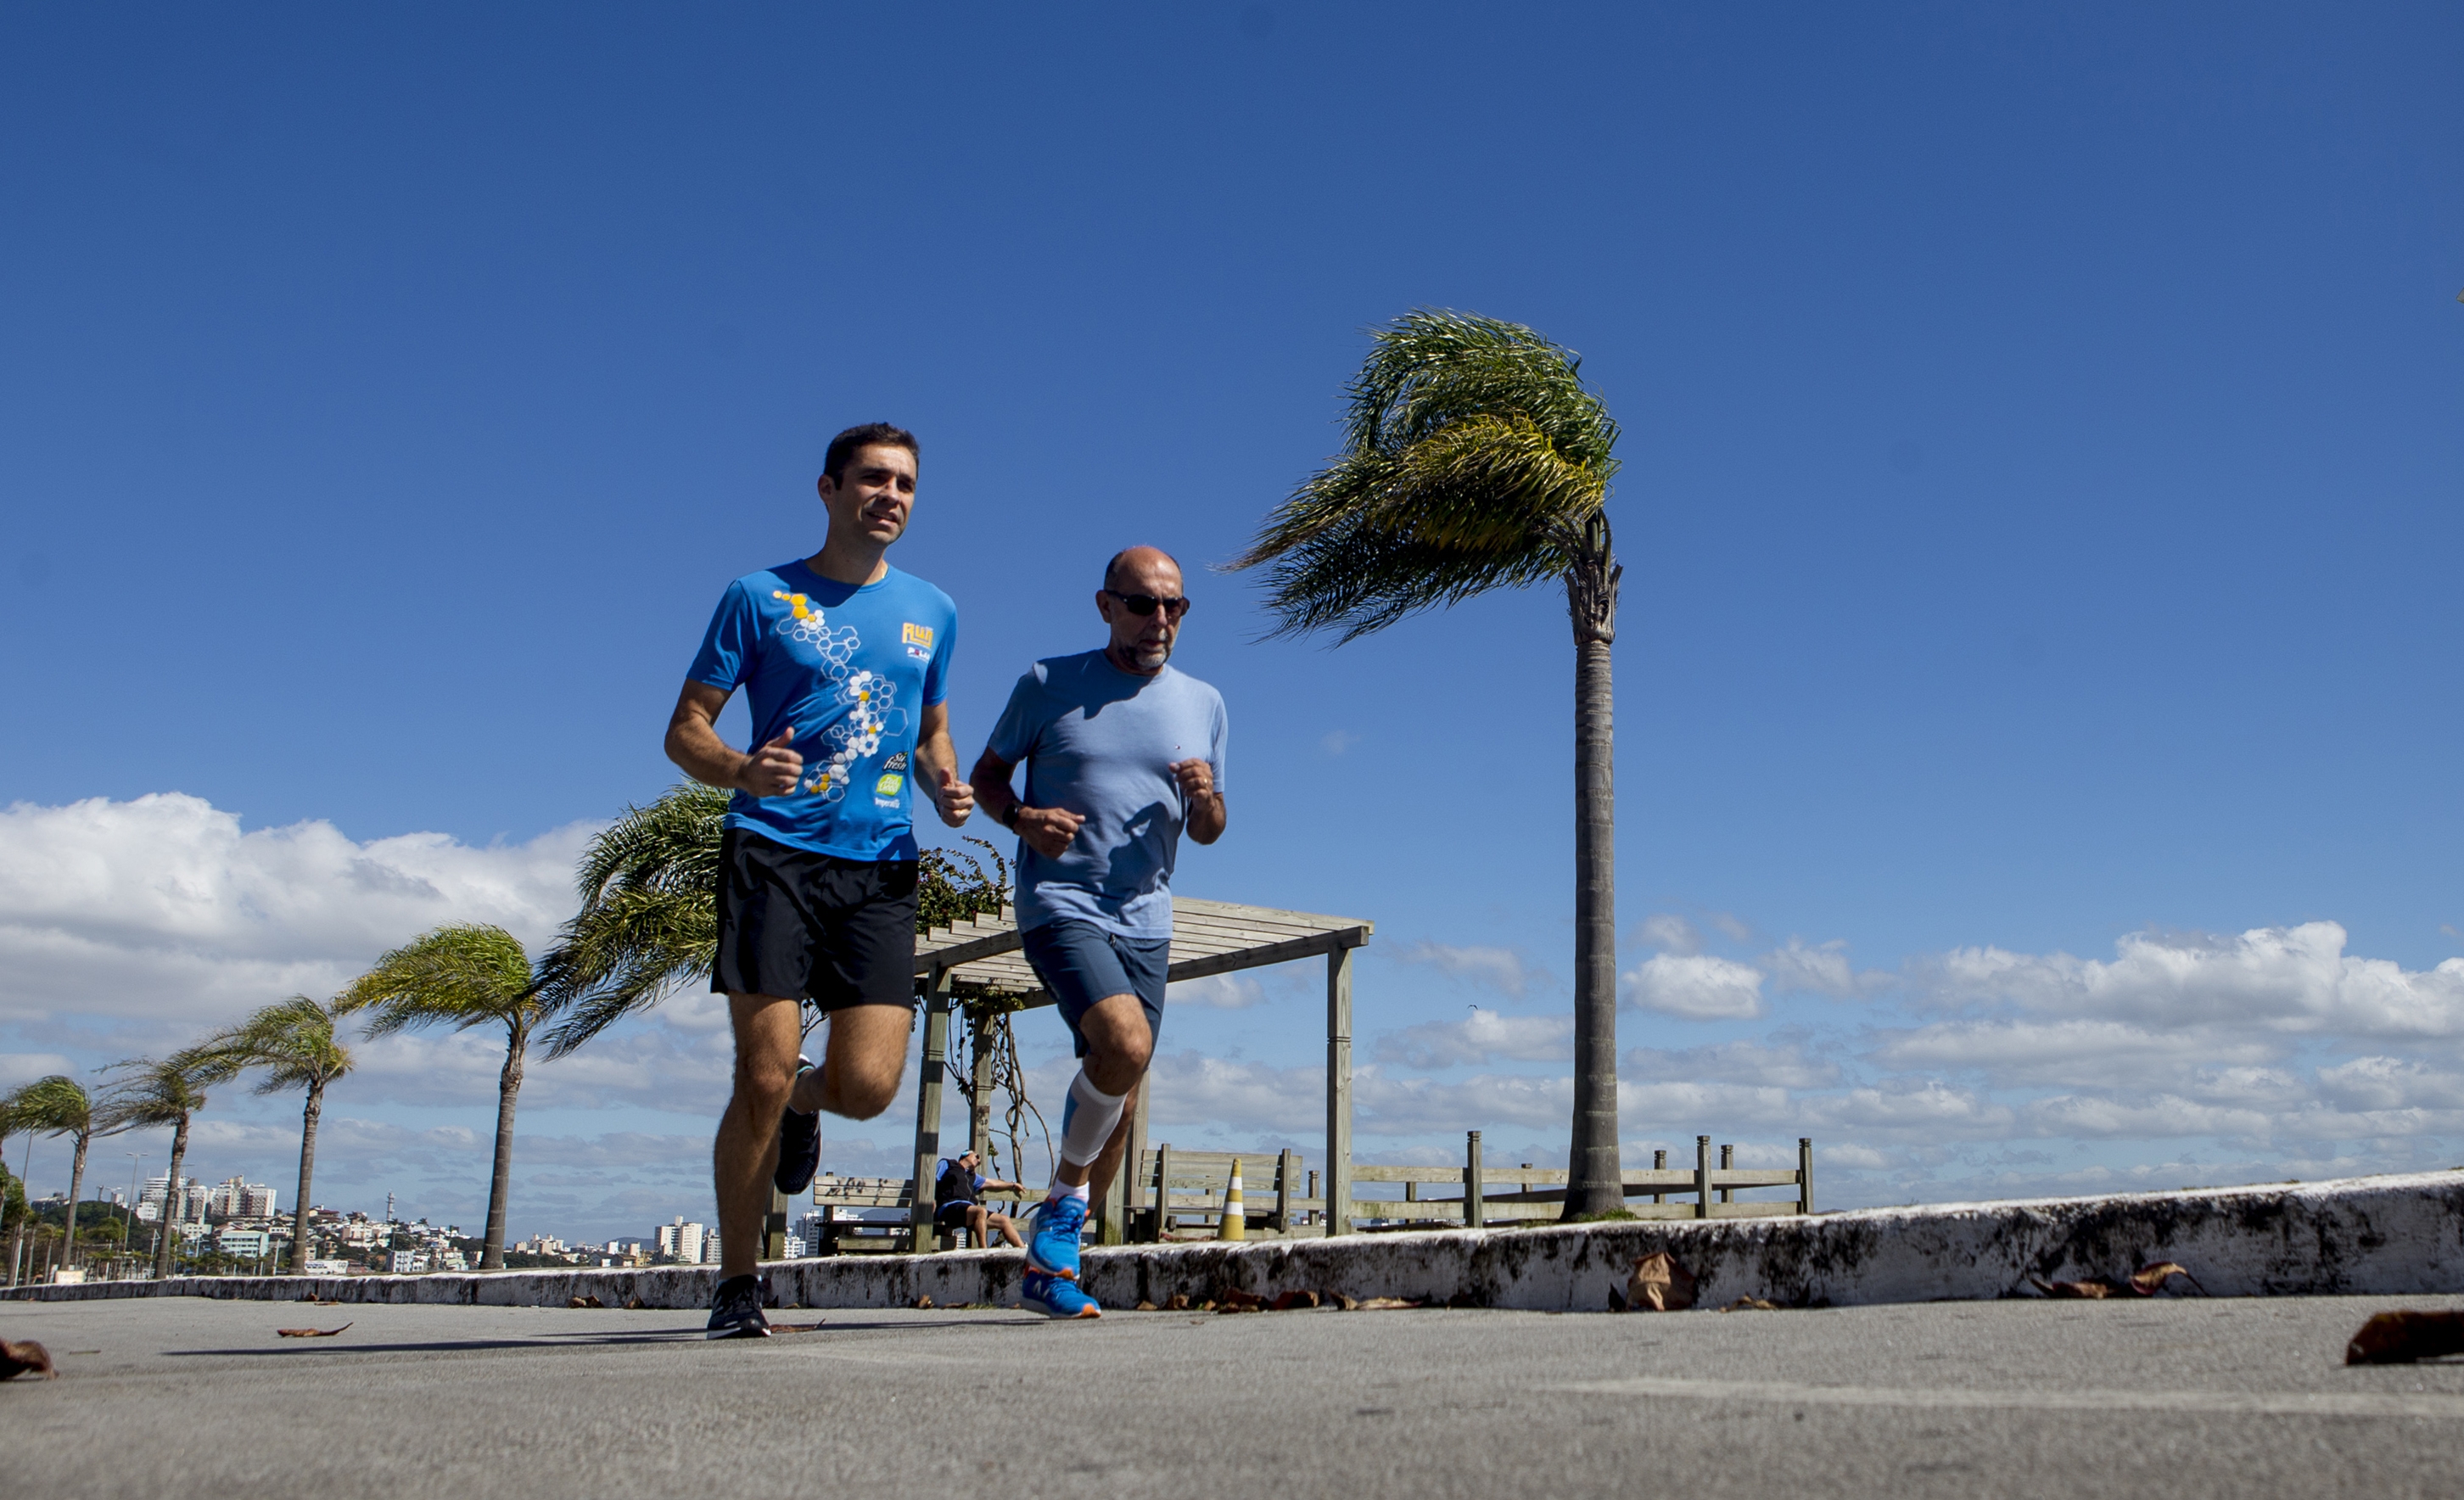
column 152, row 1091
column 462, row 975
column 291, row 1042
column 1475, row 449
column 56, row 1105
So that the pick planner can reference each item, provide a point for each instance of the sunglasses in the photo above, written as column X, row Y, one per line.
column 1149, row 604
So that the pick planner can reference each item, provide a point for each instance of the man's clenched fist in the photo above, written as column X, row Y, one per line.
column 1048, row 830
column 771, row 771
column 1197, row 779
column 956, row 799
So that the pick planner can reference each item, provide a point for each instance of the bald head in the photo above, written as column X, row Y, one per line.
column 1130, row 563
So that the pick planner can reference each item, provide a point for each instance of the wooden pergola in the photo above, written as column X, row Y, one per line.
column 980, row 959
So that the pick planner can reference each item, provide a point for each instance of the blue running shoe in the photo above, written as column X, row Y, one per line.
column 1053, row 1249
column 800, row 1143
column 1054, row 1297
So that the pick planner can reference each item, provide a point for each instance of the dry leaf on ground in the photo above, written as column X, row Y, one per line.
column 27, row 1358
column 637, row 1305
column 1291, row 1301
column 1388, row 1304
column 1660, row 1285
column 1750, row 1305
column 2092, row 1290
column 586, row 1302
column 921, row 1303
column 1235, row 1300
column 2403, row 1338
column 310, row 1332
column 2150, row 1279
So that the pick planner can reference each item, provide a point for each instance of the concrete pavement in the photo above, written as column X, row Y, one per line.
column 2183, row 1398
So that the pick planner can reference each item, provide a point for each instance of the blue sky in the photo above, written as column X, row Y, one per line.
column 2038, row 505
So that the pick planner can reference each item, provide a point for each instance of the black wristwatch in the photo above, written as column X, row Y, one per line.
column 1009, row 819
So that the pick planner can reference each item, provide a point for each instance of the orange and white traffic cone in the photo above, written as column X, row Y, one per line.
column 1236, row 1219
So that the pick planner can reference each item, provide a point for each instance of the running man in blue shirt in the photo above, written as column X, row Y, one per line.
column 845, row 662
column 1122, row 755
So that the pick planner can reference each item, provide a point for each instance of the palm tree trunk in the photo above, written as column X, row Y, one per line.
column 307, row 1173
column 500, row 1182
column 76, row 1185
column 1594, row 1183
column 170, row 1224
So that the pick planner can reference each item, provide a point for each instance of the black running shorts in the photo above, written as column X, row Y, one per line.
column 837, row 932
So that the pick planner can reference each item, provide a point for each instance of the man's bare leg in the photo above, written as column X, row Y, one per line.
column 861, row 1065
column 1118, row 1046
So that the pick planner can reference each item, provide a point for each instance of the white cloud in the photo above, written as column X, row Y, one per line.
column 17, row 1068
column 2283, row 978
column 1501, row 969
column 1820, row 969
column 1335, row 742
column 1218, row 992
column 1483, row 1036
column 1669, row 933
column 1695, row 986
column 2064, row 1053
column 162, row 909
column 1785, row 1067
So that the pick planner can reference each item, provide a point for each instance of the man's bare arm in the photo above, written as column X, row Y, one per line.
column 936, row 767
column 694, row 744
column 1048, row 830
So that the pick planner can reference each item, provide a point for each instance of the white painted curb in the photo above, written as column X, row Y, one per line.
column 2381, row 1235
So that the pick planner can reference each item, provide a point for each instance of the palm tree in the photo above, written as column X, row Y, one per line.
column 160, row 1091
column 61, row 1106
column 292, row 1041
column 462, row 976
column 1475, row 458
column 649, row 923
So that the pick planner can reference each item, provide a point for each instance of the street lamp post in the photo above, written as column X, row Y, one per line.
column 128, row 1240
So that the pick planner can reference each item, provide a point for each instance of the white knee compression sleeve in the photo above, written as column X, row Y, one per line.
column 1087, row 1120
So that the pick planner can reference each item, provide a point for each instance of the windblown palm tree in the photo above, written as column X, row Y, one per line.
column 462, row 976
column 158, row 1092
column 1475, row 458
column 61, row 1106
column 292, row 1041
column 649, row 922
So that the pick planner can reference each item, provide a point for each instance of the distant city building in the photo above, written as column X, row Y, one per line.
column 246, row 1244
column 688, row 1242
column 710, row 1249
column 406, row 1263
column 235, row 1199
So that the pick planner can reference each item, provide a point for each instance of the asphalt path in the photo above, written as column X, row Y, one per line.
column 2177, row 1398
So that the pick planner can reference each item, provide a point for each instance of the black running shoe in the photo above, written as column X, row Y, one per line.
column 735, row 1309
column 799, row 1144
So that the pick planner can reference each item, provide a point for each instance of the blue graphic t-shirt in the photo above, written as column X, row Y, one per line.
column 851, row 668
column 1101, row 742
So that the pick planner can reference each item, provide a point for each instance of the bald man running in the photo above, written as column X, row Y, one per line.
column 1122, row 754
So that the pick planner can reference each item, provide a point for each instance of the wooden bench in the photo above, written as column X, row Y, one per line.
column 841, row 1199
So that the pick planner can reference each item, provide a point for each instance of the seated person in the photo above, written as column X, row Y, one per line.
column 954, row 1206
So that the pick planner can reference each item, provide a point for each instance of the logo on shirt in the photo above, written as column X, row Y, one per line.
column 919, row 641
column 887, row 785
column 898, row 761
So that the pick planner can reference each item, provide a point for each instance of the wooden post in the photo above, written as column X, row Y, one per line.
column 774, row 1228
column 1338, row 1091
column 1659, row 1163
column 1805, row 1174
column 1312, row 1192
column 1163, row 1190
column 1701, row 1177
column 979, row 1094
column 1475, row 1214
column 1727, row 1160
column 1119, row 1209
column 928, row 1104
column 1288, row 1166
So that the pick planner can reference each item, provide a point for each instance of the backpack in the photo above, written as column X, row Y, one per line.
column 955, row 1186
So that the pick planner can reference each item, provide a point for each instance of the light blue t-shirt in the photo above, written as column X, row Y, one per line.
column 851, row 668
column 1101, row 742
